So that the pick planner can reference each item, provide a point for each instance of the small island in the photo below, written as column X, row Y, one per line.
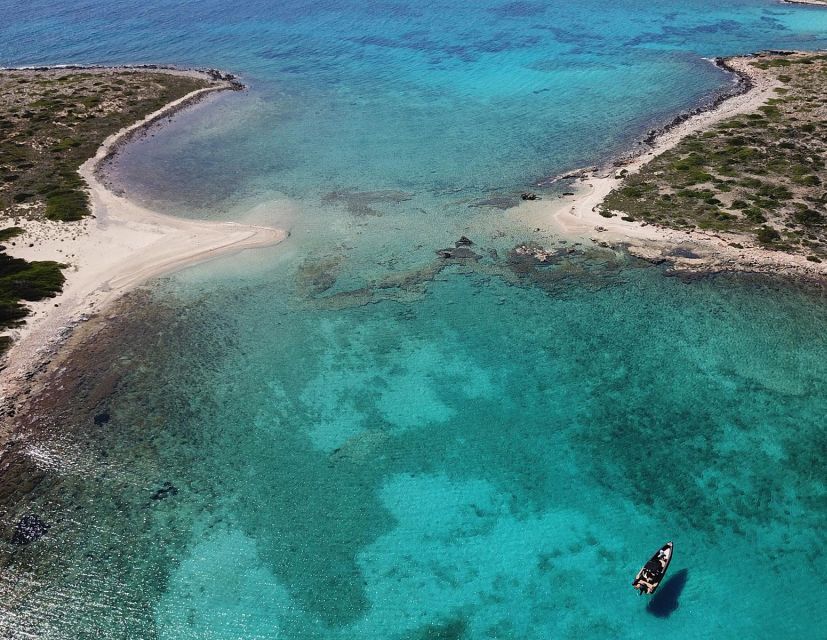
column 62, row 230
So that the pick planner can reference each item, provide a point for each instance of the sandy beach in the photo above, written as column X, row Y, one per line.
column 576, row 217
column 120, row 246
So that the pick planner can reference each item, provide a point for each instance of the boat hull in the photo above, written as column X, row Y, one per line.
column 652, row 573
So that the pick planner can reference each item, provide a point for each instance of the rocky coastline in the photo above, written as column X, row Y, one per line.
column 812, row 3
column 743, row 83
column 710, row 251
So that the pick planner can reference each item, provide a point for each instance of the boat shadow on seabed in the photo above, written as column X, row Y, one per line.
column 665, row 601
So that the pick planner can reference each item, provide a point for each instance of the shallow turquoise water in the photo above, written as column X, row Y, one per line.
column 366, row 444
column 490, row 467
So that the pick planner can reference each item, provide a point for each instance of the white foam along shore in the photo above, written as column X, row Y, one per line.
column 813, row 3
column 577, row 217
column 122, row 245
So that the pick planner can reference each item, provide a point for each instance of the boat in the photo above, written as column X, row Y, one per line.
column 650, row 576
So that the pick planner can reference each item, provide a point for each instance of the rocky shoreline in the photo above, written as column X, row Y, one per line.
column 743, row 84
column 211, row 73
column 811, row 3
column 579, row 217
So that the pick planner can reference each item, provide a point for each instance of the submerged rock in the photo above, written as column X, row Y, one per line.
column 463, row 242
column 529, row 196
column 28, row 530
column 168, row 489
column 360, row 203
column 102, row 418
column 534, row 253
column 458, row 253
column 498, row 202
column 683, row 252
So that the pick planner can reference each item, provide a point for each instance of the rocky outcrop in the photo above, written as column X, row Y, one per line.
column 460, row 251
column 168, row 489
column 29, row 529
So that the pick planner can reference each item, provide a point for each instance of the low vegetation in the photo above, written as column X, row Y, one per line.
column 762, row 174
column 53, row 121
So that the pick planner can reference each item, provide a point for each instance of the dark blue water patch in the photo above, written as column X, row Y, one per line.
column 770, row 22
column 520, row 9
column 470, row 52
column 667, row 598
column 570, row 36
column 669, row 33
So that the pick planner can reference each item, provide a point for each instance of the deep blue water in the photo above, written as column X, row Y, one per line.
column 417, row 96
column 413, row 452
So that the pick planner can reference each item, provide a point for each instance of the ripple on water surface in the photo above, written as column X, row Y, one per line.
column 450, row 466
column 346, row 437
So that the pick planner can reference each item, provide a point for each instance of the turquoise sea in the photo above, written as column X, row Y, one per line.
column 341, row 437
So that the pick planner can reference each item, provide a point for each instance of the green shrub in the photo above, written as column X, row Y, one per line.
column 67, row 205
column 774, row 192
column 699, row 194
column 30, row 281
column 751, row 183
column 634, row 190
column 809, row 217
column 775, row 62
column 807, row 181
column 753, row 214
column 11, row 313
column 693, row 160
column 9, row 232
column 697, row 176
column 64, row 144
column 768, row 235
